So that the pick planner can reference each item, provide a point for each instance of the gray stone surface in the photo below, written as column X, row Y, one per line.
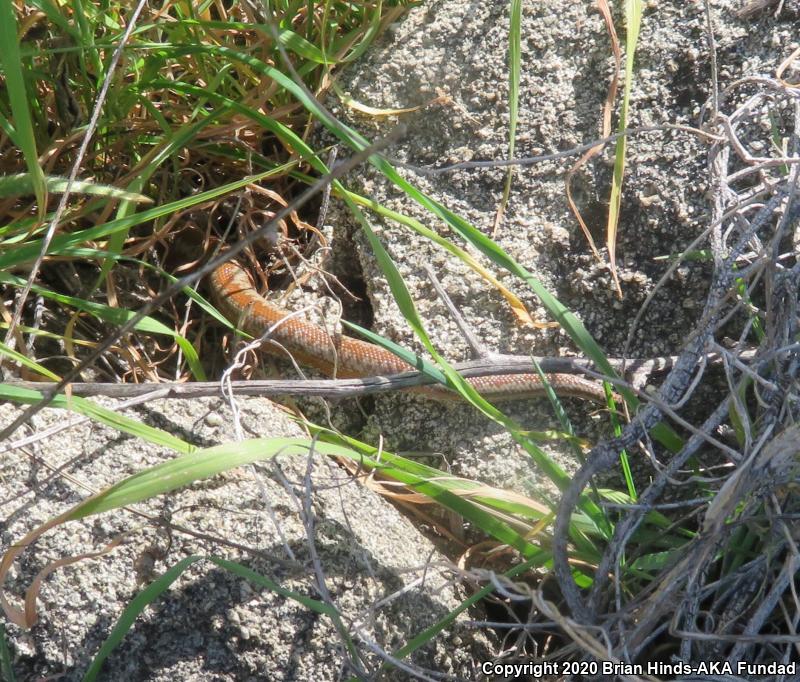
column 211, row 624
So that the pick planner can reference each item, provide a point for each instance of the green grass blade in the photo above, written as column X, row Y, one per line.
column 112, row 419
column 315, row 605
column 633, row 18
column 29, row 250
column 514, row 51
column 132, row 611
column 11, row 62
column 181, row 471
column 22, row 184
column 429, row 633
column 159, row 586
column 286, row 135
column 289, row 39
column 410, row 357
column 202, row 464
column 368, row 37
column 25, row 361
column 410, row 472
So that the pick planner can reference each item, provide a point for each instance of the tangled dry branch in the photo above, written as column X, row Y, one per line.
column 720, row 599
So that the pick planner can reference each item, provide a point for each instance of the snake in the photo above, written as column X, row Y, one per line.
column 236, row 297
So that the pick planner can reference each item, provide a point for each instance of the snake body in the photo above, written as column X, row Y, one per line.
column 237, row 299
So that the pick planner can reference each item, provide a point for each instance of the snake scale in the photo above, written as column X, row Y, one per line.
column 309, row 344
